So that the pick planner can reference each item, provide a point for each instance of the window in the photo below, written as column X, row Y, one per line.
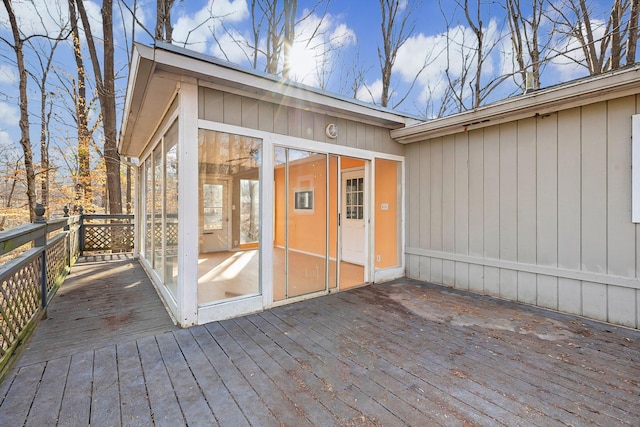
column 212, row 205
column 355, row 198
column 303, row 200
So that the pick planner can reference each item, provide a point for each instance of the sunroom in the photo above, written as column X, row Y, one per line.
column 253, row 192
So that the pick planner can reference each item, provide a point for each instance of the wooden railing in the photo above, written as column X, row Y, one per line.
column 40, row 256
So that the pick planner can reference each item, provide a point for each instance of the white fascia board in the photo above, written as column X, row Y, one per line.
column 582, row 92
column 131, row 78
column 137, row 81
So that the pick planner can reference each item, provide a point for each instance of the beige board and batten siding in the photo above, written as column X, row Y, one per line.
column 229, row 108
column 536, row 210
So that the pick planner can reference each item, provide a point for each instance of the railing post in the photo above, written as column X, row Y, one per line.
column 42, row 242
column 66, row 229
column 81, row 229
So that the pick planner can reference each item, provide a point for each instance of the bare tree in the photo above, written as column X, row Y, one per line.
column 397, row 25
column 45, row 53
column 79, row 91
column 25, row 139
column 604, row 43
column 289, row 11
column 11, row 173
column 525, row 27
column 468, row 50
column 105, row 83
column 353, row 76
column 274, row 32
column 164, row 28
column 632, row 31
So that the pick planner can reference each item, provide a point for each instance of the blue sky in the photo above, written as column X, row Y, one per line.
column 351, row 29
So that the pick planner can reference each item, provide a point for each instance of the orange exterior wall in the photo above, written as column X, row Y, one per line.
column 349, row 162
column 307, row 225
column 306, row 229
column 386, row 222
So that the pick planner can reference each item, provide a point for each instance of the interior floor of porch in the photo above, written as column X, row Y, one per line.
column 230, row 274
column 398, row 353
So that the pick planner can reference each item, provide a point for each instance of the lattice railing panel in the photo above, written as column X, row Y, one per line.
column 103, row 237
column 19, row 301
column 172, row 234
column 56, row 263
column 74, row 242
column 157, row 232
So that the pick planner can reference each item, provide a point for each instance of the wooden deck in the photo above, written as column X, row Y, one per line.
column 402, row 353
column 106, row 299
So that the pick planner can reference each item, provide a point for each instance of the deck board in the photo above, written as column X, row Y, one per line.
column 50, row 392
column 212, row 386
column 93, row 308
column 162, row 398
column 105, row 399
column 75, row 409
column 401, row 353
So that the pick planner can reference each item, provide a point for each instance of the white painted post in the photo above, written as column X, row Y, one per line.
column 187, row 292
column 266, row 226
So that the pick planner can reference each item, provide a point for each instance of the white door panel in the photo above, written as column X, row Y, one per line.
column 353, row 217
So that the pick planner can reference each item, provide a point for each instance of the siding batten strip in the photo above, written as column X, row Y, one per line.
column 597, row 278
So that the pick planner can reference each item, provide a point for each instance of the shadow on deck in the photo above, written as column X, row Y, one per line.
column 401, row 353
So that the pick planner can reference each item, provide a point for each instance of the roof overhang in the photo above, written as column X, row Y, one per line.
column 156, row 73
column 586, row 91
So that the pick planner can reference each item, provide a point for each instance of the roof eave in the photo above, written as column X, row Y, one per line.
column 201, row 66
column 575, row 94
column 141, row 70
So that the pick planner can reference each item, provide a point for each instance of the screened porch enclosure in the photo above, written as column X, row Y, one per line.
column 229, row 221
column 159, row 203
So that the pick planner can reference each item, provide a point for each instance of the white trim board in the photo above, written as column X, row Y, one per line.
column 635, row 168
column 585, row 276
column 296, row 142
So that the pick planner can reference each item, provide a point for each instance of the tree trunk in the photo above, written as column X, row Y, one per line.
column 290, row 10
column 632, row 32
column 164, row 29
column 44, row 150
column 129, row 184
column 106, row 94
column 616, row 36
column 112, row 157
column 84, row 194
column 25, row 139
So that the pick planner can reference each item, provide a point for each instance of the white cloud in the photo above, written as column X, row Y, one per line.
column 5, row 138
column 8, row 74
column 47, row 17
column 449, row 53
column 9, row 114
column 572, row 63
column 232, row 47
column 371, row 92
column 37, row 16
column 196, row 31
column 94, row 16
column 343, row 36
column 143, row 20
column 318, row 39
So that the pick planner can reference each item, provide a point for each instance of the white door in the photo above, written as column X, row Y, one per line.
column 215, row 216
column 352, row 218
